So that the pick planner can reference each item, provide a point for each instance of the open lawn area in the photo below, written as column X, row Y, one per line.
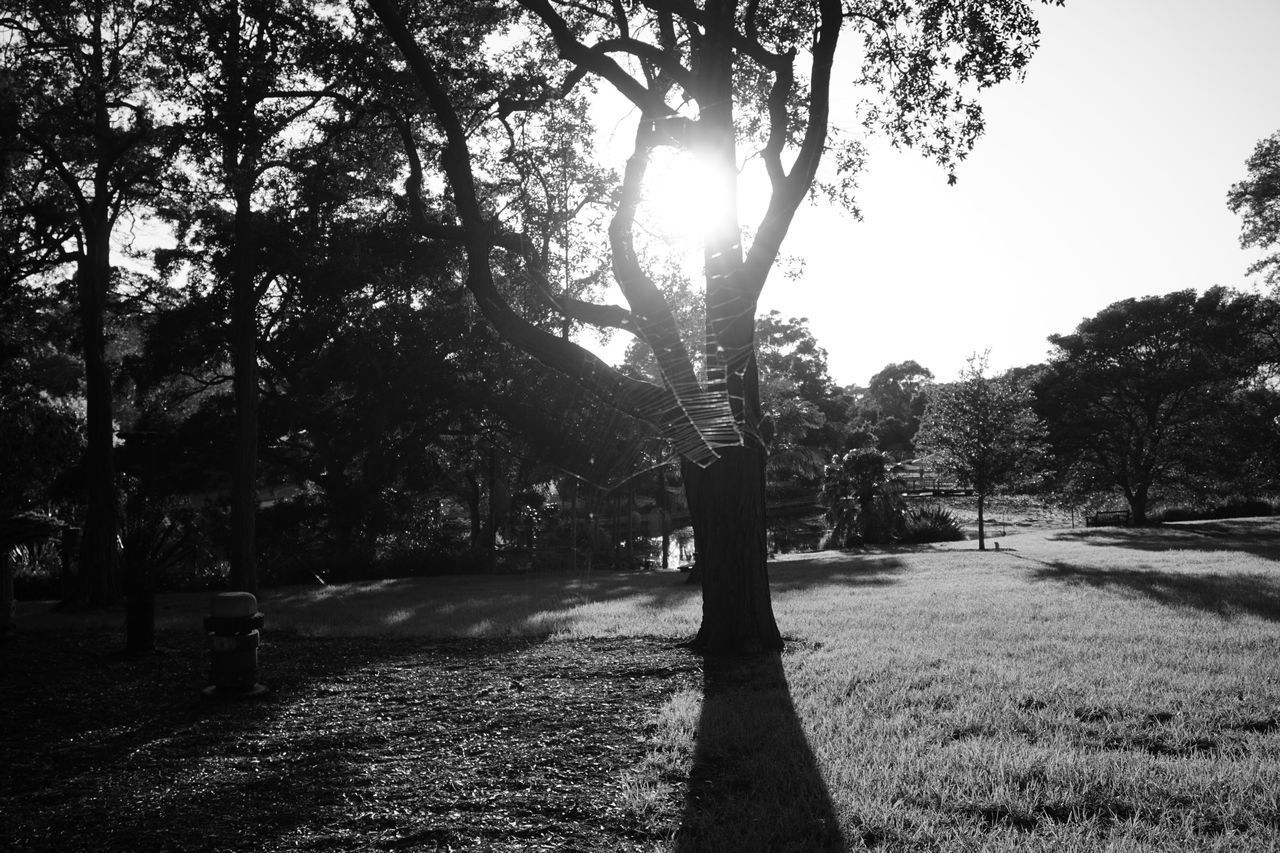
column 1100, row 689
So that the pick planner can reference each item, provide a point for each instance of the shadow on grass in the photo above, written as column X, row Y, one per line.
column 755, row 784
column 1225, row 595
column 1259, row 537
column 835, row 567
column 528, row 604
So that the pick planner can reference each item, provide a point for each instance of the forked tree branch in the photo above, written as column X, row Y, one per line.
column 604, row 316
column 641, row 399
column 789, row 190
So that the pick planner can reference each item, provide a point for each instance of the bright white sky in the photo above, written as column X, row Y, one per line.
column 1103, row 175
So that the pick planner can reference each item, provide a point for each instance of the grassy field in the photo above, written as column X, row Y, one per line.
column 1098, row 689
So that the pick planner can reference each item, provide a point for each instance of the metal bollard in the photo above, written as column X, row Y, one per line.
column 232, row 628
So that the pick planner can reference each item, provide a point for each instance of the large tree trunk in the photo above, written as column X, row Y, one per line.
column 99, row 556
column 244, row 359
column 1137, row 505
column 727, row 498
column 727, row 506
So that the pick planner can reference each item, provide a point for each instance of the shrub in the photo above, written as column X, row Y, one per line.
column 931, row 523
column 1231, row 507
column 863, row 506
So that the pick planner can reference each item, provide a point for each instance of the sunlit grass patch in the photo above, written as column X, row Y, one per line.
column 1069, row 694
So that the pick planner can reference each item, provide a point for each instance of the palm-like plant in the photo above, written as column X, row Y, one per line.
column 862, row 504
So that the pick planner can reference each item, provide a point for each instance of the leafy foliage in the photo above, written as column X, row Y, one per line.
column 982, row 430
column 931, row 523
column 805, row 410
column 890, row 407
column 862, row 505
column 41, row 405
column 1141, row 395
column 1256, row 200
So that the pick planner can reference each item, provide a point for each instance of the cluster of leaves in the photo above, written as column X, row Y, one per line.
column 1257, row 201
column 931, row 523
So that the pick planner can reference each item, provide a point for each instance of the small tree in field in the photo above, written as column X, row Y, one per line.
column 982, row 430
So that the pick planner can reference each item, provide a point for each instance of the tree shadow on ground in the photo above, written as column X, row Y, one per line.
column 361, row 745
column 1225, row 595
column 526, row 604
column 755, row 784
column 835, row 567
column 1261, row 538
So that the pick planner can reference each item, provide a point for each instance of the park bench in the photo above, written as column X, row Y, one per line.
column 1107, row 518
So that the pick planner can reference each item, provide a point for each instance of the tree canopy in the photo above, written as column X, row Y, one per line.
column 1256, row 200
column 710, row 80
column 982, row 430
column 1136, row 396
column 467, row 131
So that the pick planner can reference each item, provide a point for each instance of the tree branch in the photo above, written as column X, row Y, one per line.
column 641, row 399
column 597, row 62
column 786, row 198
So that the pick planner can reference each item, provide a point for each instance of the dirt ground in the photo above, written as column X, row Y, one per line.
column 362, row 744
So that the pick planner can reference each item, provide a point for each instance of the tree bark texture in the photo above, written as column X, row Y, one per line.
column 982, row 531
column 1137, row 505
column 727, row 506
column 244, row 359
column 99, row 581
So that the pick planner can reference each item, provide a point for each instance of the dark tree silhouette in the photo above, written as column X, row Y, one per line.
column 1136, row 396
column 709, row 79
column 81, row 150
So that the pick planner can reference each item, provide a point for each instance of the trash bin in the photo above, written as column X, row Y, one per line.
column 233, row 631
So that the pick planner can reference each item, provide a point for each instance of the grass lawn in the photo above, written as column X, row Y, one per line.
column 1099, row 689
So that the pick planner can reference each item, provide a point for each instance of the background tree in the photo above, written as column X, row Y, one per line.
column 238, row 111
column 983, row 431
column 1256, row 200
column 1136, row 397
column 891, row 406
column 707, row 80
column 41, row 401
column 79, row 92
column 805, row 409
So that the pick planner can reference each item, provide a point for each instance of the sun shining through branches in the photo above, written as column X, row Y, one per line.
column 682, row 199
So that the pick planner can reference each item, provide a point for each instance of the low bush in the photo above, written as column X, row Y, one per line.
column 36, row 581
column 931, row 523
column 1232, row 507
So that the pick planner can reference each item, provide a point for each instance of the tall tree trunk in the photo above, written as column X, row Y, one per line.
column 99, row 581
column 727, row 498
column 6, row 590
column 727, row 506
column 664, row 517
column 982, row 532
column 473, row 514
column 244, row 359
